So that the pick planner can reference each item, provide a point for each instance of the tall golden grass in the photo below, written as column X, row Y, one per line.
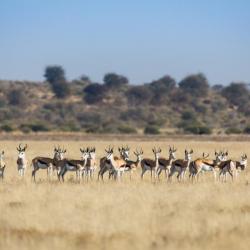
column 123, row 215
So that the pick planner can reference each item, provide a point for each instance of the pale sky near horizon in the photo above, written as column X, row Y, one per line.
column 140, row 39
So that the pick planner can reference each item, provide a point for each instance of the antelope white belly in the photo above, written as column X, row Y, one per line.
column 70, row 167
column 206, row 168
column 42, row 166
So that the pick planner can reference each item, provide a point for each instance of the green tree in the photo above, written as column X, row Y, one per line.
column 115, row 80
column 196, row 85
column 55, row 75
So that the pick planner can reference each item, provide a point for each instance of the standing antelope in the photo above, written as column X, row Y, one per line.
column 232, row 167
column 204, row 165
column 21, row 160
column 180, row 166
column 165, row 164
column 150, row 164
column 2, row 165
column 117, row 164
column 77, row 166
column 105, row 164
column 131, row 166
column 91, row 164
column 47, row 163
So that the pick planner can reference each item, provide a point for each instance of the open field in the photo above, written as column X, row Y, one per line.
column 126, row 215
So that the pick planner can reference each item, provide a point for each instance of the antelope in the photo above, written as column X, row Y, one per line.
column 180, row 166
column 105, row 164
column 131, row 166
column 77, row 166
column 2, row 165
column 91, row 164
column 232, row 167
column 204, row 165
column 150, row 164
column 47, row 163
column 118, row 165
column 21, row 160
column 165, row 164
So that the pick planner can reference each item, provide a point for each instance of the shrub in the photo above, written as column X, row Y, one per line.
column 153, row 130
column 17, row 97
column 127, row 130
column 198, row 130
column 247, row 129
column 233, row 130
column 6, row 128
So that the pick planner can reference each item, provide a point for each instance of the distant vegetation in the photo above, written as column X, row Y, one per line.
column 116, row 106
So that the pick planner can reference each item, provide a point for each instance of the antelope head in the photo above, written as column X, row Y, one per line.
column 188, row 155
column 1, row 156
column 85, row 153
column 21, row 150
column 138, row 154
column 92, row 153
column 243, row 161
column 172, row 151
column 156, row 152
column 109, row 152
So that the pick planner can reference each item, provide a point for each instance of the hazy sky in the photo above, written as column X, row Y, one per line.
column 143, row 40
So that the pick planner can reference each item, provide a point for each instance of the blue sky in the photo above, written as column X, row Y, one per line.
column 140, row 39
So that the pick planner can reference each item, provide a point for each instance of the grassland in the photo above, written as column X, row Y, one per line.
column 127, row 215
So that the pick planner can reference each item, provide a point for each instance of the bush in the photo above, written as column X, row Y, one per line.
column 233, row 130
column 247, row 129
column 127, row 130
column 35, row 127
column 17, row 97
column 198, row 130
column 6, row 128
column 153, row 130
column 61, row 89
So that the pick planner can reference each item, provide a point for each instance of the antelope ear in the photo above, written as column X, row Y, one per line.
column 3, row 152
column 191, row 151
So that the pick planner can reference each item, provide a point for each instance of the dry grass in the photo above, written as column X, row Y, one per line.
column 126, row 215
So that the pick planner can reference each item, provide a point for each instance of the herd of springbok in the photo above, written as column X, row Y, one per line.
column 116, row 166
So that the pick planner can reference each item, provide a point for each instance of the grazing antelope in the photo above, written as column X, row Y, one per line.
column 77, row 166
column 150, row 164
column 232, row 167
column 165, row 164
column 21, row 160
column 91, row 164
column 47, row 163
column 105, row 164
column 118, row 165
column 204, row 165
column 180, row 166
column 2, row 165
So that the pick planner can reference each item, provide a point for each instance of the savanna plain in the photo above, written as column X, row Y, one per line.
column 130, row 214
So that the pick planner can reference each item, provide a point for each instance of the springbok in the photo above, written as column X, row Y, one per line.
column 105, row 164
column 131, row 166
column 91, row 164
column 118, row 165
column 180, row 166
column 204, row 165
column 77, row 166
column 47, row 163
column 21, row 160
column 2, row 165
column 150, row 164
column 165, row 164
column 232, row 167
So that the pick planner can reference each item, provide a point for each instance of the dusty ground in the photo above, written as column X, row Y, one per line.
column 127, row 215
